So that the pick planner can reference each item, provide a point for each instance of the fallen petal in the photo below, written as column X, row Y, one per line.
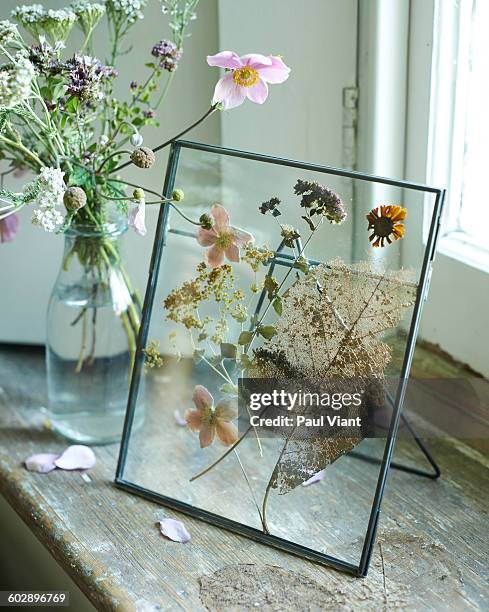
column 76, row 457
column 174, row 530
column 42, row 462
column 314, row 479
column 179, row 420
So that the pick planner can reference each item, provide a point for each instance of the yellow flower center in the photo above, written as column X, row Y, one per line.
column 224, row 241
column 246, row 76
column 208, row 416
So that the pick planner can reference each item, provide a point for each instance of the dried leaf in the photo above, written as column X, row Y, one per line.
column 245, row 337
column 267, row 331
column 330, row 327
column 228, row 350
column 174, row 530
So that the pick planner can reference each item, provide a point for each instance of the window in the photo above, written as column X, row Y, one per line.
column 461, row 124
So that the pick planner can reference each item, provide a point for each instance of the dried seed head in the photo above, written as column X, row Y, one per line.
column 74, row 199
column 143, row 157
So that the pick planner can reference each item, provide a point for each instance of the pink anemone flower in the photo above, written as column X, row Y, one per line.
column 223, row 238
column 248, row 77
column 209, row 421
column 8, row 228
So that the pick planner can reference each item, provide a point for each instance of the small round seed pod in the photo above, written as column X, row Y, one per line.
column 143, row 157
column 178, row 195
column 138, row 195
column 74, row 199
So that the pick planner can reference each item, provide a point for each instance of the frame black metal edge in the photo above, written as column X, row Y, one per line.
column 401, row 392
column 160, row 237
column 220, row 521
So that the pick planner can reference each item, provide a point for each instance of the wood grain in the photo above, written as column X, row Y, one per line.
column 433, row 535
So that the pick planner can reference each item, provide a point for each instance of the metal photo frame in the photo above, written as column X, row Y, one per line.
column 280, row 259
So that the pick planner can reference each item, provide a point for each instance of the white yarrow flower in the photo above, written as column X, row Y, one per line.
column 15, row 81
column 8, row 32
column 47, row 191
column 132, row 9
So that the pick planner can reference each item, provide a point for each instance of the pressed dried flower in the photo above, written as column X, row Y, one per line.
column 385, row 223
column 209, row 421
column 154, row 358
column 320, row 200
column 143, row 157
column 289, row 235
column 270, row 206
column 223, row 239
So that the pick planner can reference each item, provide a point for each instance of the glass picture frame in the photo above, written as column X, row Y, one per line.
column 231, row 261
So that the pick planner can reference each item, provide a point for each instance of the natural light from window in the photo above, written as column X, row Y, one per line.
column 474, row 200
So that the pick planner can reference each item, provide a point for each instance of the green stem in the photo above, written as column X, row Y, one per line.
column 21, row 147
column 209, row 112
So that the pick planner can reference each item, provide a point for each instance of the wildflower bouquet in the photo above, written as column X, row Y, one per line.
column 60, row 119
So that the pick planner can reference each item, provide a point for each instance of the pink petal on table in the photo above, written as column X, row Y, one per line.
column 174, row 530
column 76, row 457
column 179, row 420
column 314, row 479
column 42, row 462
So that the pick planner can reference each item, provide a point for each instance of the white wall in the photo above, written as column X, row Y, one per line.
column 28, row 266
column 302, row 118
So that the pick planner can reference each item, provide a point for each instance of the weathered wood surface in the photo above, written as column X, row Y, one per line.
column 432, row 551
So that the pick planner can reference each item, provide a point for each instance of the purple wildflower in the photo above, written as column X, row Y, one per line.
column 86, row 76
column 168, row 53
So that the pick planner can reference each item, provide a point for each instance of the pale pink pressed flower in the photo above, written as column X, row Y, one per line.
column 8, row 228
column 223, row 238
column 137, row 217
column 209, row 421
column 248, row 77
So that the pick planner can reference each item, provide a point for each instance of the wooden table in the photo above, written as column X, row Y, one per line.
column 432, row 550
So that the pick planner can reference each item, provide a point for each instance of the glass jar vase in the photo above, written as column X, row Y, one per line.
column 92, row 325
